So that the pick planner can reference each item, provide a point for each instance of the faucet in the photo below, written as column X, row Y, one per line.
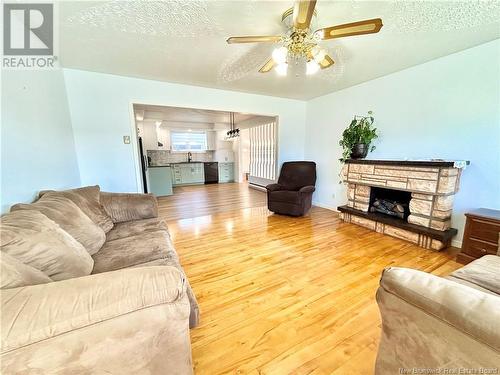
column 190, row 157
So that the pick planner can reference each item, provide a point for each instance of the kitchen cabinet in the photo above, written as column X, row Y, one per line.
column 176, row 174
column 211, row 140
column 226, row 172
column 160, row 181
column 163, row 135
column 188, row 174
column 151, row 135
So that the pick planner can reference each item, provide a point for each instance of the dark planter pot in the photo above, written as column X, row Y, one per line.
column 359, row 151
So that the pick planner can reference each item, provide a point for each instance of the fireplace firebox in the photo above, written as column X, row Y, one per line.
column 395, row 203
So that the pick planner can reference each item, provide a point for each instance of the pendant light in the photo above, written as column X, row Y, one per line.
column 233, row 132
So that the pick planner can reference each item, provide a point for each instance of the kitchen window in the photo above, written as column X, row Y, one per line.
column 188, row 141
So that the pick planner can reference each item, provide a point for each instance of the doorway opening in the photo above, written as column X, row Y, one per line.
column 190, row 146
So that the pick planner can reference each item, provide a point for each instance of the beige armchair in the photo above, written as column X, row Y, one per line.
column 429, row 322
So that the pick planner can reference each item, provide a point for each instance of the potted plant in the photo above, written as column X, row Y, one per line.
column 357, row 137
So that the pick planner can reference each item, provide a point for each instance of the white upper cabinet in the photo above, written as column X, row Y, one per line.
column 164, row 138
column 211, row 140
column 149, row 136
column 152, row 134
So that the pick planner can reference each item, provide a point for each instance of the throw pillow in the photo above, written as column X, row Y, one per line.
column 70, row 218
column 88, row 200
column 14, row 274
column 35, row 240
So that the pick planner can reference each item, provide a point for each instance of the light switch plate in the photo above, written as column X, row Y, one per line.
column 126, row 139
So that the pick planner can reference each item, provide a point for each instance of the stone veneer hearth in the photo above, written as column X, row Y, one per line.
column 432, row 185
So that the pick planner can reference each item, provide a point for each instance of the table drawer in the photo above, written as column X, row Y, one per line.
column 484, row 230
column 476, row 248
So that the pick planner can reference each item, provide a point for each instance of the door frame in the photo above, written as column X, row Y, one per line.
column 134, row 139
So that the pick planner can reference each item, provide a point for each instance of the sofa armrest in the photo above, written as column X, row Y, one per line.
column 274, row 187
column 39, row 312
column 423, row 315
column 307, row 189
column 127, row 321
column 126, row 206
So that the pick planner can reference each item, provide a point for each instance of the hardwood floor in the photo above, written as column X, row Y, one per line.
column 281, row 295
column 195, row 201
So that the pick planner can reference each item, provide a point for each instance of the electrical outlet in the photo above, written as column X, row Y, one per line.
column 126, row 139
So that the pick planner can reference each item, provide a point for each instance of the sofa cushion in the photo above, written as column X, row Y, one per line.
column 484, row 272
column 34, row 239
column 287, row 196
column 469, row 284
column 14, row 273
column 132, row 228
column 123, row 207
column 130, row 251
column 88, row 200
column 70, row 218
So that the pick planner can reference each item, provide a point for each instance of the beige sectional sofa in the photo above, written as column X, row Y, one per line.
column 439, row 324
column 91, row 283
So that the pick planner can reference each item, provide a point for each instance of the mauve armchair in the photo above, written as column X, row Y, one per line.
column 292, row 195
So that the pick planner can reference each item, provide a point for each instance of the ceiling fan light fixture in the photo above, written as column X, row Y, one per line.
column 312, row 67
column 318, row 53
column 281, row 69
column 319, row 34
column 300, row 42
column 280, row 54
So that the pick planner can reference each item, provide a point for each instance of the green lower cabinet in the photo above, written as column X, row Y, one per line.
column 188, row 174
column 176, row 175
column 226, row 172
column 160, row 181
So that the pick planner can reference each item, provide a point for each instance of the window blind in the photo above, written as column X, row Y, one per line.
column 263, row 151
column 188, row 141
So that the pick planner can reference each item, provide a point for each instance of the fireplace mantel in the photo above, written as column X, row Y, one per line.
column 432, row 184
column 437, row 163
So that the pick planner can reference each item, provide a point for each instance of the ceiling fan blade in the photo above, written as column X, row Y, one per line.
column 326, row 62
column 267, row 66
column 303, row 11
column 350, row 29
column 253, row 39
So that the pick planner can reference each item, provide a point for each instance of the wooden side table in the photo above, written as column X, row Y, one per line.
column 481, row 235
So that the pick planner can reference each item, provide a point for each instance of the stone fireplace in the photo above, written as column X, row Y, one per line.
column 411, row 200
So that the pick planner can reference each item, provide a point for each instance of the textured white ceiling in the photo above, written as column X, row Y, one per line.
column 184, row 41
column 187, row 115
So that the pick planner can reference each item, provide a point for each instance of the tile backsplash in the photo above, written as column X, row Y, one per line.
column 162, row 157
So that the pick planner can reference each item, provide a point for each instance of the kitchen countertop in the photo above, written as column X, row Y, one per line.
column 170, row 164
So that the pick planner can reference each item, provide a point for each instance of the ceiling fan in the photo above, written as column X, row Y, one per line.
column 299, row 42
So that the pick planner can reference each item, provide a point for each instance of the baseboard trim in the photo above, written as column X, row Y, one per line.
column 325, row 206
column 257, row 187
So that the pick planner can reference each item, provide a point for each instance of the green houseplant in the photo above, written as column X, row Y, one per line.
column 357, row 137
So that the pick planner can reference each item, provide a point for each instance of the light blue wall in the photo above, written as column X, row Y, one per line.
column 100, row 110
column 446, row 108
column 38, row 150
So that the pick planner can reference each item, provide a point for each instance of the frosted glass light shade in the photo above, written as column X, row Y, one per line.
column 318, row 53
column 281, row 69
column 279, row 55
column 312, row 67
